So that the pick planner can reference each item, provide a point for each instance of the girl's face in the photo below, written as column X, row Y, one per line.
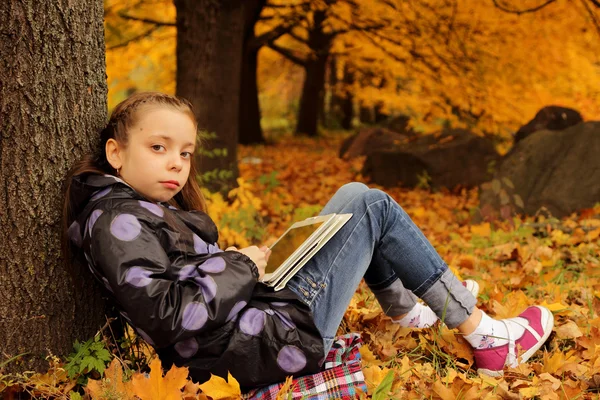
column 156, row 161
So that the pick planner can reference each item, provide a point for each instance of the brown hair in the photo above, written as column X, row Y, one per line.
column 123, row 117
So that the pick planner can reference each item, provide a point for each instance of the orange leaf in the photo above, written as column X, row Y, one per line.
column 112, row 383
column 158, row 387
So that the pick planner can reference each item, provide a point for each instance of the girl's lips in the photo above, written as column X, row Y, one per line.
column 170, row 184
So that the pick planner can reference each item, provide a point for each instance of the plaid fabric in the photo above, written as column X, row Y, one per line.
column 340, row 379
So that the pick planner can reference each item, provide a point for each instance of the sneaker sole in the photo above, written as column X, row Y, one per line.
column 527, row 355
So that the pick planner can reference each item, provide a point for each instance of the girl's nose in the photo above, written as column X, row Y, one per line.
column 176, row 163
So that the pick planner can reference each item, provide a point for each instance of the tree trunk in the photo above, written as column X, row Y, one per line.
column 380, row 116
column 250, row 131
column 312, row 100
column 365, row 114
column 52, row 101
column 348, row 100
column 336, row 98
column 210, row 38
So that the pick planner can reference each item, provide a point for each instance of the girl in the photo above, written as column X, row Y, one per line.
column 135, row 214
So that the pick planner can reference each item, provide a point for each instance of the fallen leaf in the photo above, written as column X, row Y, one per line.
column 484, row 229
column 157, row 387
column 220, row 389
column 569, row 330
column 112, row 382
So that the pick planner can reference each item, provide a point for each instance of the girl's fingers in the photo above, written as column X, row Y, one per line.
column 231, row 248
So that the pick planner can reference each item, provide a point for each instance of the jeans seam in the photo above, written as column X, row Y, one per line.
column 433, row 278
column 459, row 301
column 383, row 284
column 326, row 275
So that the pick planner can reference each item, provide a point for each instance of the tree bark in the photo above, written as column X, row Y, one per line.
column 250, row 131
column 52, row 101
column 312, row 100
column 210, row 38
column 348, row 100
column 336, row 99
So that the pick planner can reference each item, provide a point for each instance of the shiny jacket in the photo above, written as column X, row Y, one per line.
column 199, row 306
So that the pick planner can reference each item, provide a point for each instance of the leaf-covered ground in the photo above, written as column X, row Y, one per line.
column 532, row 260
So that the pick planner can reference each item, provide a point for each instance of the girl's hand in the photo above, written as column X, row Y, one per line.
column 258, row 256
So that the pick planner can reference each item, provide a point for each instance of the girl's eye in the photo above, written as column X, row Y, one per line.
column 186, row 154
column 157, row 147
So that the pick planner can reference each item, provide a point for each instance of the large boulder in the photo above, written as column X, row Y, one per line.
column 552, row 118
column 446, row 159
column 558, row 170
column 368, row 140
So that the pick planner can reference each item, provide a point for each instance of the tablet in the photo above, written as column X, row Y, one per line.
column 294, row 241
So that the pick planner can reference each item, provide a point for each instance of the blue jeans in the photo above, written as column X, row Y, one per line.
column 381, row 244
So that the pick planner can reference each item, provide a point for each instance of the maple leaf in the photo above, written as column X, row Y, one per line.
column 220, row 389
column 111, row 385
column 190, row 392
column 157, row 387
column 443, row 390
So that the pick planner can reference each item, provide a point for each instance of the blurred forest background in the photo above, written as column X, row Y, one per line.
column 447, row 62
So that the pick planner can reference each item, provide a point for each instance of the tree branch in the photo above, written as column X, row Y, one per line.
column 519, row 12
column 146, row 20
column 306, row 3
column 135, row 38
column 287, row 54
column 272, row 35
column 592, row 15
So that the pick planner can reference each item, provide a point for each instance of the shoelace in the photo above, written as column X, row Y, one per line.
column 511, row 358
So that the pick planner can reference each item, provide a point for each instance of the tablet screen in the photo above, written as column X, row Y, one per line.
column 288, row 244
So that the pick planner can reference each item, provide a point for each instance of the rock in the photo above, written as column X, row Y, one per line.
column 368, row 140
column 398, row 124
column 450, row 158
column 558, row 170
column 553, row 118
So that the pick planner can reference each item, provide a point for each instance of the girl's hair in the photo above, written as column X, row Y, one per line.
column 125, row 115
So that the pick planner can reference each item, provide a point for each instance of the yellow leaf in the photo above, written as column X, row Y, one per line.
column 367, row 355
column 481, row 230
column 158, row 387
column 554, row 307
column 569, row 330
column 286, row 389
column 593, row 235
column 373, row 376
column 445, row 392
column 529, row 392
column 218, row 388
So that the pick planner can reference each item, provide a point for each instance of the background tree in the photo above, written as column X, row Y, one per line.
column 326, row 21
column 250, row 130
column 210, row 39
column 52, row 100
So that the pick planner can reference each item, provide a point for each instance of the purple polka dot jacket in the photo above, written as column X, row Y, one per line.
column 199, row 306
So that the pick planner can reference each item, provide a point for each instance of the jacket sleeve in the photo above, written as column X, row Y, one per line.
column 166, row 303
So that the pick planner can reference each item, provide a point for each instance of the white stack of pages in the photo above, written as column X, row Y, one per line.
column 298, row 245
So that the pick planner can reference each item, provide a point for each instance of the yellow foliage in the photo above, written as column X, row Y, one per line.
column 157, row 387
column 220, row 389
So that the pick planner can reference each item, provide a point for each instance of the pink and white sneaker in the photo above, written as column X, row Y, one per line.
column 472, row 287
column 491, row 361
